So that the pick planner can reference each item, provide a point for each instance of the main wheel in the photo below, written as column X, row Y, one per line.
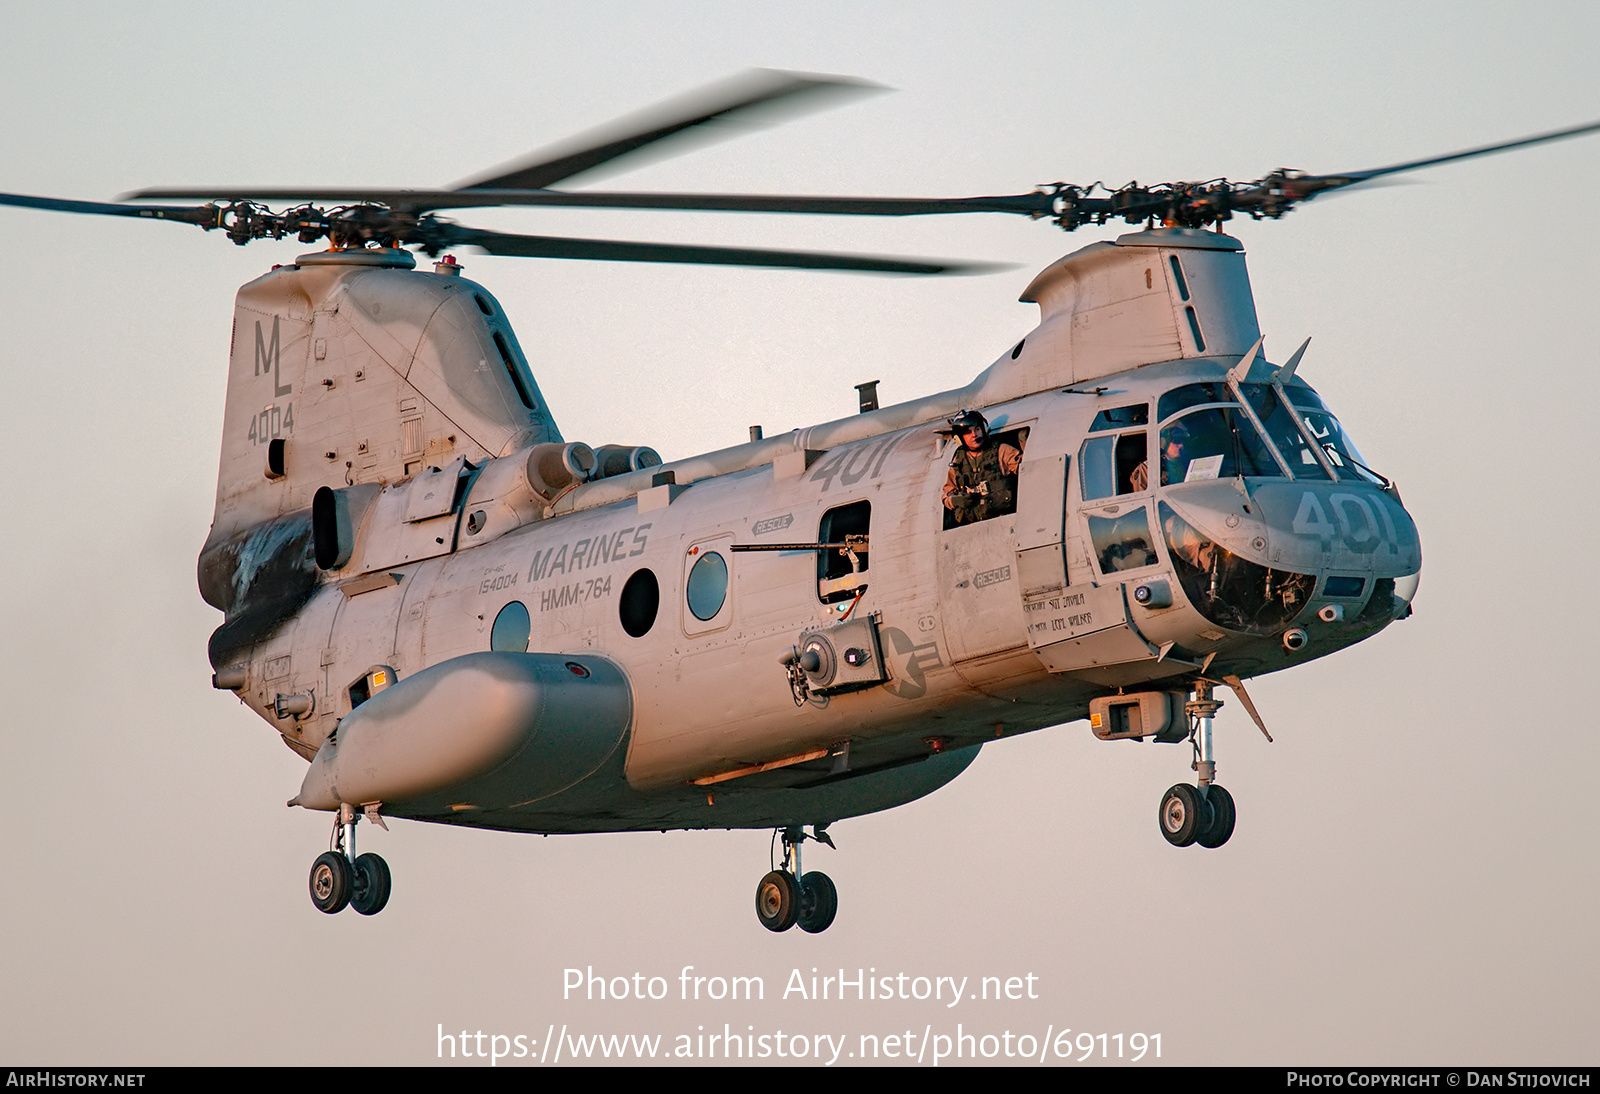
column 369, row 884
column 330, row 882
column 1222, row 818
column 777, row 901
column 819, row 902
column 1183, row 815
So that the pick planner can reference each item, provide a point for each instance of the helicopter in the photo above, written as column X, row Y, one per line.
column 456, row 615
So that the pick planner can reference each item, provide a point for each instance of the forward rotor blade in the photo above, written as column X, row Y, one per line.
column 610, row 250
column 203, row 215
column 747, row 98
column 1328, row 182
column 1037, row 204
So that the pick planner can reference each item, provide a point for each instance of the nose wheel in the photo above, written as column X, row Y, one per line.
column 788, row 897
column 340, row 878
column 777, row 900
column 1222, row 815
column 1204, row 813
column 1196, row 814
column 330, row 882
column 369, row 884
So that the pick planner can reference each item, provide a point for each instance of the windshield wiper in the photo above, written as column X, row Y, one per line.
column 1345, row 457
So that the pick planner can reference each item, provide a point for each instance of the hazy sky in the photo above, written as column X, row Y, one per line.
column 1413, row 877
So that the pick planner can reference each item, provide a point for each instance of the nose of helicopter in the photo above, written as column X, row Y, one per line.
column 1336, row 539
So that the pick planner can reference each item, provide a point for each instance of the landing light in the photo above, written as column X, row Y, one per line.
column 1406, row 587
column 1154, row 594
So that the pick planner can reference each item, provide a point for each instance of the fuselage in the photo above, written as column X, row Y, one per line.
column 1171, row 520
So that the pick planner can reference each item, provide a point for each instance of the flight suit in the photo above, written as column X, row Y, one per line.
column 982, row 484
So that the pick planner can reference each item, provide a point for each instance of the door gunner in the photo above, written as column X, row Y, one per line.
column 982, row 482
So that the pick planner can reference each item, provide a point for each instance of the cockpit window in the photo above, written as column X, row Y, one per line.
column 1123, row 542
column 1119, row 416
column 1301, row 395
column 1182, row 398
column 1341, row 450
column 1215, row 443
column 1280, row 427
column 1220, row 442
column 1114, row 465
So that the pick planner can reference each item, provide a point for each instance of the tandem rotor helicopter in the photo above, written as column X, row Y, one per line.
column 456, row 615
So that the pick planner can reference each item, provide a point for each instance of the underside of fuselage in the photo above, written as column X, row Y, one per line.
column 814, row 798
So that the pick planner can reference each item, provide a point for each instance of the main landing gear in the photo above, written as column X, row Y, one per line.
column 1202, row 814
column 787, row 896
column 340, row 877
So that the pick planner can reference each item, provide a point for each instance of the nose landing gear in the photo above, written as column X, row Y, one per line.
column 1205, row 813
column 787, row 896
column 340, row 877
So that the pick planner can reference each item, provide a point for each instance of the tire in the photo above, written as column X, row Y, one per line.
column 1183, row 815
column 330, row 882
column 369, row 884
column 777, row 901
column 819, row 903
column 1222, row 817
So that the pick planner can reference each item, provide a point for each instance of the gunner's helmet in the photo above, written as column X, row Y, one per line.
column 970, row 421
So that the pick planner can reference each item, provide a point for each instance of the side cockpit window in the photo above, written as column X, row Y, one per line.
column 1114, row 462
column 1117, row 463
column 1114, row 465
column 1120, row 417
column 1123, row 542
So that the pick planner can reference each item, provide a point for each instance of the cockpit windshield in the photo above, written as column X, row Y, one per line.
column 1211, row 443
column 1341, row 450
column 1219, row 440
column 1280, row 426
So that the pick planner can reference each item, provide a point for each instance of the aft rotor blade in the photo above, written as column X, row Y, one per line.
column 611, row 250
column 745, row 97
column 1035, row 204
column 203, row 215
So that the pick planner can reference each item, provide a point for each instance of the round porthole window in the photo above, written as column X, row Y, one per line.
column 708, row 586
column 511, row 629
column 641, row 598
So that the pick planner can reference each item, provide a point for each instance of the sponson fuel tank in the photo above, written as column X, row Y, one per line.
column 481, row 731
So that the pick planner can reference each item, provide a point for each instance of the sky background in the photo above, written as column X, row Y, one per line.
column 1413, row 876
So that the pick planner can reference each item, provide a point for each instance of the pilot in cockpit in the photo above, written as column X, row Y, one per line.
column 1174, row 445
column 1176, row 440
